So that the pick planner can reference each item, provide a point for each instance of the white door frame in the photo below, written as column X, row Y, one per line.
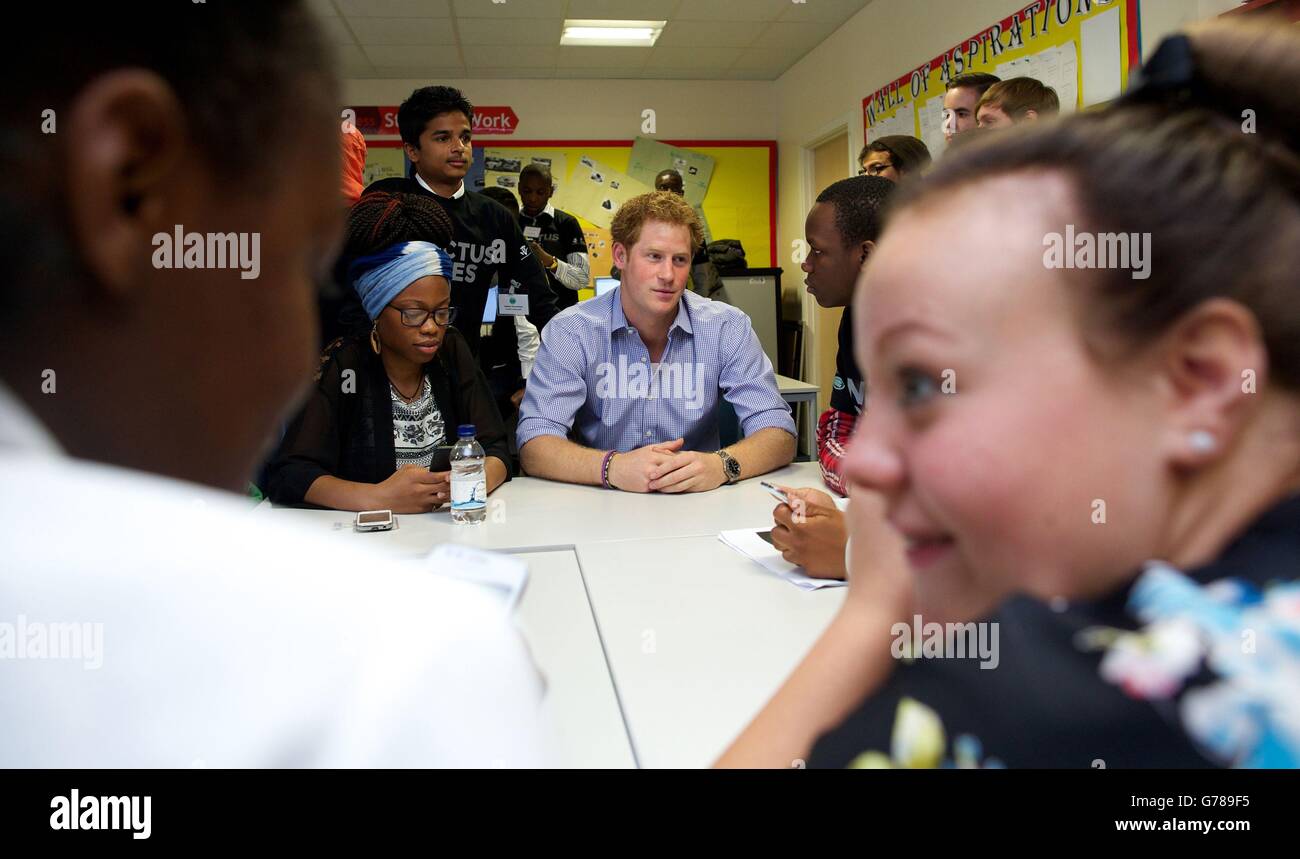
column 848, row 122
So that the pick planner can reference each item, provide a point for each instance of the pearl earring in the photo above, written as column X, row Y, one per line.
column 1202, row 441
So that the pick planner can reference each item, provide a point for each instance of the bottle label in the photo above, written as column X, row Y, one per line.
column 469, row 494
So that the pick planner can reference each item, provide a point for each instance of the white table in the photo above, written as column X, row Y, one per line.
column 795, row 392
column 528, row 513
column 581, row 708
column 658, row 642
column 698, row 638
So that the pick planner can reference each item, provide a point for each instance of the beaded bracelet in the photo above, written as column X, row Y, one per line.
column 604, row 470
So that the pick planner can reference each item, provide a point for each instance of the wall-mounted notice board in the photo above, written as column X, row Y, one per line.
column 1084, row 49
column 740, row 201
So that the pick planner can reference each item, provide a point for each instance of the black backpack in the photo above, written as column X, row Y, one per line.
column 727, row 256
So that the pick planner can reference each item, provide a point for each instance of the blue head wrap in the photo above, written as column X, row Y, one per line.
column 379, row 277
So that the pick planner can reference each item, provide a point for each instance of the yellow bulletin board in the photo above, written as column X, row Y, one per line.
column 382, row 162
column 740, row 202
column 1084, row 49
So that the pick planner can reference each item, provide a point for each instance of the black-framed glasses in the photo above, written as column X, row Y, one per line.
column 875, row 168
column 415, row 317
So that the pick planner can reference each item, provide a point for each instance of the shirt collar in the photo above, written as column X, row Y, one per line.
column 21, row 431
column 460, row 192
column 618, row 321
column 549, row 210
column 683, row 320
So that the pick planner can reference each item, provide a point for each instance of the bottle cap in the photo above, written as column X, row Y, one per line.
column 465, row 431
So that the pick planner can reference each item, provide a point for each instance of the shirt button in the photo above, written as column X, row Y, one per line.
column 647, row 433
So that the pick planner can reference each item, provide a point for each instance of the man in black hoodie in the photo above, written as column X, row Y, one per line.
column 435, row 123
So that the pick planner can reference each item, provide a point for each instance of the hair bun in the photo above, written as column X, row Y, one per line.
column 381, row 219
column 1244, row 70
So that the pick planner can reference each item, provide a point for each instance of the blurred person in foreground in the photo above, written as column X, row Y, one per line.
column 1087, row 548
column 136, row 388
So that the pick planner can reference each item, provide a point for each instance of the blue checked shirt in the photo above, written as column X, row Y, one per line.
column 593, row 380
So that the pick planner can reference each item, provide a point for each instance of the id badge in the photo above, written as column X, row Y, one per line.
column 510, row 304
column 532, row 233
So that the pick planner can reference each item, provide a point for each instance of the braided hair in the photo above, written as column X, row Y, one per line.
column 381, row 219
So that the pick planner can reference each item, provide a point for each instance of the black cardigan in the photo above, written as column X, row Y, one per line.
column 349, row 434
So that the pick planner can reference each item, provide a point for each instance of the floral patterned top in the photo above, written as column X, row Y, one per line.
column 418, row 427
column 1179, row 669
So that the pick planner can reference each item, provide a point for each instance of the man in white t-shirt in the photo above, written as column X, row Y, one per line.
column 148, row 619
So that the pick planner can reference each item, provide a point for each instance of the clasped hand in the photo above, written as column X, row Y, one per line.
column 666, row 468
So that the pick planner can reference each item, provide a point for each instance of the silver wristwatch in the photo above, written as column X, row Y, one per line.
column 730, row 466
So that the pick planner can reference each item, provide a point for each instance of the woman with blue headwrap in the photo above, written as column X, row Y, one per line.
column 385, row 402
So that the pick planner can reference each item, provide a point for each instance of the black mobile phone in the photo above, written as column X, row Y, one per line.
column 441, row 459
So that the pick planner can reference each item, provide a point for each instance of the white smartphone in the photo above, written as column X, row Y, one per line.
column 775, row 493
column 375, row 520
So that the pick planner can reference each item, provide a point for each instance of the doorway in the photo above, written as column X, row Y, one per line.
column 830, row 163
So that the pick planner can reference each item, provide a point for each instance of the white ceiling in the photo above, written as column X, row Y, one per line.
column 704, row 39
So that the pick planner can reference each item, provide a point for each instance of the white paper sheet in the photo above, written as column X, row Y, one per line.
column 747, row 542
column 594, row 192
column 1067, row 86
column 511, row 161
column 931, row 114
column 1099, row 38
column 503, row 575
column 902, row 122
column 650, row 156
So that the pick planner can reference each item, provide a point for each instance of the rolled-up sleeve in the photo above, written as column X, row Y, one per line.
column 748, row 381
column 557, row 387
column 575, row 273
column 527, row 339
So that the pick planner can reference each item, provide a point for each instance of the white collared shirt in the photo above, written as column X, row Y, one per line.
column 147, row 622
column 573, row 272
column 460, row 192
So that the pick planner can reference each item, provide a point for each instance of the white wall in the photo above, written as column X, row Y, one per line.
column 1161, row 17
column 820, row 94
column 824, row 90
column 605, row 109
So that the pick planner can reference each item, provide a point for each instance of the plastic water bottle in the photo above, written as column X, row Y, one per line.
column 468, row 479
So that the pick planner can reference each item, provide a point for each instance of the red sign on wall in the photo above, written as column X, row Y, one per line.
column 376, row 121
column 494, row 120
column 382, row 121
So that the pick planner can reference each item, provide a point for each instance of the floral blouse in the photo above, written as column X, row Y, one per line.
column 1193, row 669
column 418, row 427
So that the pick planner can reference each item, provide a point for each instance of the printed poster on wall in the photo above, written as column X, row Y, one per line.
column 595, row 191
column 383, row 163
column 1084, row 49
column 600, row 248
column 501, row 166
column 649, row 157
